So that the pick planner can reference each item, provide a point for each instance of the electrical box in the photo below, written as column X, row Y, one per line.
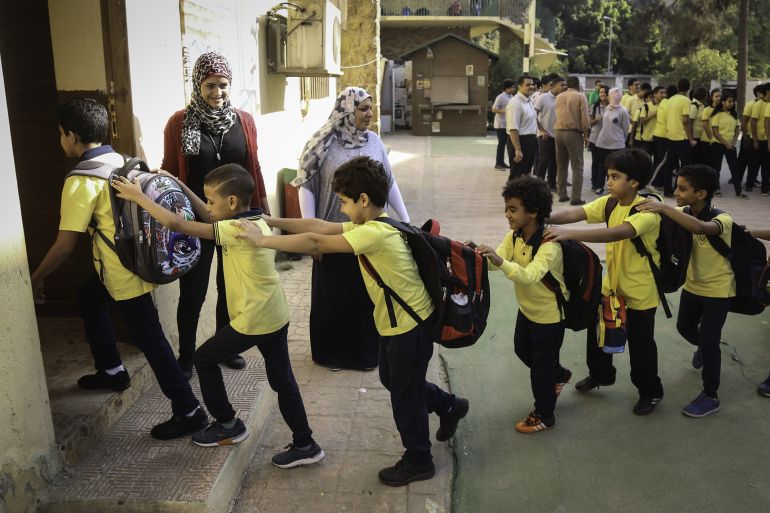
column 305, row 42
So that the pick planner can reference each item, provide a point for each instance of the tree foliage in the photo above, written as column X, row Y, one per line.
column 704, row 65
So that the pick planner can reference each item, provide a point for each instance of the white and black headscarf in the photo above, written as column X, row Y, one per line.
column 340, row 125
column 217, row 121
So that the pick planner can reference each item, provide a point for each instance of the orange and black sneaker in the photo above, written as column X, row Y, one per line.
column 534, row 423
column 566, row 375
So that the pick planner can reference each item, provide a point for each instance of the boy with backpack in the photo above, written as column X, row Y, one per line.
column 710, row 285
column 526, row 259
column 86, row 207
column 405, row 345
column 259, row 314
column 629, row 288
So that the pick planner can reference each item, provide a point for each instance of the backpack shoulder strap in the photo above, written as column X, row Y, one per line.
column 93, row 169
column 389, row 293
column 716, row 241
column 608, row 208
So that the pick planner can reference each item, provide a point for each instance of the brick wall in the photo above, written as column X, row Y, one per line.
column 396, row 41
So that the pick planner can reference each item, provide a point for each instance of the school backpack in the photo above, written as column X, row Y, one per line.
column 748, row 259
column 456, row 279
column 144, row 246
column 674, row 244
column 582, row 278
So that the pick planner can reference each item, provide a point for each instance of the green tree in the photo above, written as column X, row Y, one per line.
column 509, row 66
column 704, row 65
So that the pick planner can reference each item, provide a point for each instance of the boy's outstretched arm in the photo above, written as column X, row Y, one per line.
column 198, row 205
column 132, row 192
column 304, row 225
column 614, row 234
column 761, row 234
column 61, row 249
column 567, row 216
column 309, row 243
column 690, row 223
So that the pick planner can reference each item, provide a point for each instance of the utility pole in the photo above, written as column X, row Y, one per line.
column 743, row 51
column 609, row 49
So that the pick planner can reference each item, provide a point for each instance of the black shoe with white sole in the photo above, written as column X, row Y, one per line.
column 294, row 456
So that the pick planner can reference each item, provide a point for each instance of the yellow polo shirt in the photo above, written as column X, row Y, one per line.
column 709, row 273
column 392, row 259
column 625, row 265
column 706, row 117
column 678, row 108
column 635, row 117
column 651, row 123
column 536, row 301
column 84, row 198
column 748, row 107
column 759, row 112
column 727, row 124
column 661, row 129
column 696, row 112
column 256, row 302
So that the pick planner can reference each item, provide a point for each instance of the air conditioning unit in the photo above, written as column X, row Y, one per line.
column 306, row 41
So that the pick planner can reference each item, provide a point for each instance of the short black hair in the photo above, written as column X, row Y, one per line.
column 632, row 81
column 671, row 91
column 362, row 175
column 757, row 89
column 633, row 162
column 533, row 193
column 573, row 82
column 598, row 82
column 84, row 117
column 232, row 180
column 508, row 83
column 646, row 93
column 683, row 85
column 555, row 79
column 699, row 93
column 524, row 78
column 701, row 177
column 646, row 86
column 658, row 88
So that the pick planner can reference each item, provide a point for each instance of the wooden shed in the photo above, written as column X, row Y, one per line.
column 450, row 78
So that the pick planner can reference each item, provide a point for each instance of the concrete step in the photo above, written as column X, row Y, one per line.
column 129, row 471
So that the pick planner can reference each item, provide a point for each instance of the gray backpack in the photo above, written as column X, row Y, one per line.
column 144, row 246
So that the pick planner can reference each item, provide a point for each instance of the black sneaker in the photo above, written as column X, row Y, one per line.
column 764, row 388
column 216, row 434
column 180, row 425
column 697, row 359
column 563, row 200
column 748, row 188
column 449, row 421
column 103, row 381
column 589, row 383
column 646, row 405
column 236, row 362
column 403, row 473
column 500, row 166
column 578, row 202
column 294, row 457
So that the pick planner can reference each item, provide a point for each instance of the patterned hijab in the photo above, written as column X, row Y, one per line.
column 340, row 125
column 198, row 112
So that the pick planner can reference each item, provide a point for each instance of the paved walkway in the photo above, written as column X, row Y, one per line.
column 600, row 457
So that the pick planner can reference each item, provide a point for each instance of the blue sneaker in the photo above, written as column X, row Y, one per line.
column 764, row 388
column 697, row 359
column 701, row 406
column 216, row 434
column 294, row 456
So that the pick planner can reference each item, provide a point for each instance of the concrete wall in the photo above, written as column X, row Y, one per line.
column 395, row 41
column 78, row 49
column 28, row 456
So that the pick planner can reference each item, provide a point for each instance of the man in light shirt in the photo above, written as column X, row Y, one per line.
column 498, row 108
column 521, row 123
column 545, row 106
column 572, row 128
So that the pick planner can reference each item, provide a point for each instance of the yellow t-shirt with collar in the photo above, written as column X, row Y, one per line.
column 759, row 112
column 727, row 124
column 632, row 271
column 678, row 108
column 256, row 302
column 696, row 113
column 709, row 273
column 536, row 301
column 651, row 123
column 626, row 100
column 635, row 117
column 747, row 108
column 661, row 129
column 706, row 116
column 85, row 198
column 391, row 257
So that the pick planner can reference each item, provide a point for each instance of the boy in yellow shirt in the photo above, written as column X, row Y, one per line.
column 256, row 304
column 710, row 284
column 628, row 273
column 660, row 138
column 526, row 259
column 406, row 346
column 86, row 200
column 759, row 137
column 748, row 156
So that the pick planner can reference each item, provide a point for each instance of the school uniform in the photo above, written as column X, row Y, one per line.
column 259, row 316
column 635, row 282
column 660, row 140
column 85, row 199
column 501, row 101
column 747, row 158
column 520, row 115
column 539, row 331
column 758, row 113
column 701, row 154
column 405, row 346
column 705, row 300
column 679, row 149
column 727, row 125
column 647, row 133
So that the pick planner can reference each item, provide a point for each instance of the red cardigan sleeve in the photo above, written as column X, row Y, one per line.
column 173, row 159
column 252, row 158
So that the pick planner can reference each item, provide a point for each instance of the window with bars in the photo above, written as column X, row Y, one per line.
column 314, row 88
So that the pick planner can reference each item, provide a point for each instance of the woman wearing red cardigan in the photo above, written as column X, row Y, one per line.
column 209, row 133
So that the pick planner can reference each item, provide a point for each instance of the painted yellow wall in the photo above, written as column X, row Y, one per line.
column 28, row 456
column 78, row 50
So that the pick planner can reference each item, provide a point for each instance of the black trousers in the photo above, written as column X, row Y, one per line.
column 702, row 154
column 643, row 354
column 700, row 321
column 529, row 149
column 718, row 152
column 193, row 287
column 679, row 154
column 275, row 350
column 538, row 346
column 546, row 162
column 659, row 161
column 748, row 160
column 763, row 156
column 502, row 144
column 141, row 318
column 600, row 156
column 403, row 365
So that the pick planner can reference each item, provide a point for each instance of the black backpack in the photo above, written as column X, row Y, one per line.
column 674, row 244
column 748, row 259
column 455, row 276
column 582, row 278
column 144, row 246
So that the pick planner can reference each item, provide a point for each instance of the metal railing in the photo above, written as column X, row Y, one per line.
column 514, row 10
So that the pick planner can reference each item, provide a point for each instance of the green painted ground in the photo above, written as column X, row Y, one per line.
column 600, row 457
